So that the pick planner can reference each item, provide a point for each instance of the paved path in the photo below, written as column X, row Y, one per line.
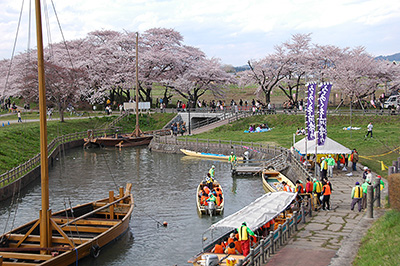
column 330, row 237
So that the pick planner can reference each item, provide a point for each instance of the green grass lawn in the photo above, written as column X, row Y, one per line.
column 381, row 246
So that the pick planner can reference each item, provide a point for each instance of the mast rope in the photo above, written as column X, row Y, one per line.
column 13, row 51
column 109, row 169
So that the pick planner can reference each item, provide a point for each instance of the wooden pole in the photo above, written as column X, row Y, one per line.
column 44, row 223
column 137, row 130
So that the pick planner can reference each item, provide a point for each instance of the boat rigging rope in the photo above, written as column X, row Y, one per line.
column 13, row 51
column 109, row 169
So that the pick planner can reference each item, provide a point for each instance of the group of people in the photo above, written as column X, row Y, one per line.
column 359, row 191
column 209, row 190
column 178, row 128
column 259, row 128
column 238, row 242
column 301, row 131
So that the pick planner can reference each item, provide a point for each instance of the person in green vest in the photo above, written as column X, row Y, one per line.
column 244, row 238
column 331, row 164
column 233, row 160
column 212, row 171
column 356, row 195
column 364, row 187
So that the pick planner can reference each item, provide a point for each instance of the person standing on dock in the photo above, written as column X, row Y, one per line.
column 233, row 160
column 244, row 238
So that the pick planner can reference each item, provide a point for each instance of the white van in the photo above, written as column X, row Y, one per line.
column 392, row 101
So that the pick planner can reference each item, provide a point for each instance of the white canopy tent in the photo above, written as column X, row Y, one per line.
column 258, row 212
column 330, row 147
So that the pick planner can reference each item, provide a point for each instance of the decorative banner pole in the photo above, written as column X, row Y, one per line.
column 310, row 115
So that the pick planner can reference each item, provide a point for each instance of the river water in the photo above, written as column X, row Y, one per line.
column 164, row 189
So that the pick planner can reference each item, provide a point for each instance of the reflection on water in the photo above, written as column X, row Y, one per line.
column 164, row 189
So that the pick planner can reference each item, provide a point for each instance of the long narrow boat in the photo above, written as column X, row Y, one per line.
column 203, row 209
column 207, row 155
column 272, row 179
column 256, row 215
column 66, row 236
column 75, row 233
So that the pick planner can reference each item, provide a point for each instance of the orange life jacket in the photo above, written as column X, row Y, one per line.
column 327, row 190
column 238, row 247
column 300, row 188
column 218, row 249
column 203, row 200
column 231, row 251
column 230, row 240
column 207, row 190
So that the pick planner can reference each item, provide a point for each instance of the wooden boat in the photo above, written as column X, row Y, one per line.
column 206, row 155
column 66, row 236
column 136, row 138
column 75, row 233
column 271, row 180
column 205, row 210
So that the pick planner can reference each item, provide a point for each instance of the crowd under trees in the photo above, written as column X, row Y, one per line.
column 102, row 66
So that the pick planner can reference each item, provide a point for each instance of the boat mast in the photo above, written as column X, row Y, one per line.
column 137, row 129
column 45, row 236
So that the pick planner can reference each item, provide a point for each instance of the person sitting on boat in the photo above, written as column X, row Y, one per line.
column 299, row 187
column 244, row 233
column 218, row 248
column 286, row 187
column 209, row 181
column 231, row 249
column 203, row 199
column 238, row 246
column 211, row 197
column 206, row 189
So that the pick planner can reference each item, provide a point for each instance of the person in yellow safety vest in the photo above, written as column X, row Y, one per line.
column 379, row 180
column 317, row 189
column 212, row 171
column 324, row 167
column 356, row 195
column 244, row 238
column 232, row 159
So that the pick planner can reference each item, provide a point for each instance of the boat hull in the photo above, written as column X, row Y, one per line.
column 208, row 155
column 120, row 141
column 202, row 210
column 89, row 234
column 271, row 180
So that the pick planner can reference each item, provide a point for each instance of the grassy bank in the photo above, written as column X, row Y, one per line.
column 381, row 246
column 385, row 132
column 20, row 142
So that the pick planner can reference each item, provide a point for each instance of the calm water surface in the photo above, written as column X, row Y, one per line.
column 164, row 188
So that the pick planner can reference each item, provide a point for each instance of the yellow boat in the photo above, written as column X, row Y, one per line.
column 272, row 179
column 207, row 155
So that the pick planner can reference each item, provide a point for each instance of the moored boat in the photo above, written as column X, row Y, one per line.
column 210, row 208
column 272, row 180
column 207, row 155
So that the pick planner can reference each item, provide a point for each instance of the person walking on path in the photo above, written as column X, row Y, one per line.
column 369, row 130
column 331, row 164
column 326, row 192
column 317, row 189
column 19, row 117
column 244, row 238
column 364, row 187
column 354, row 159
column 356, row 195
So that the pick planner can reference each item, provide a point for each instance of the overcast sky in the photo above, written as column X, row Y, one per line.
column 234, row 31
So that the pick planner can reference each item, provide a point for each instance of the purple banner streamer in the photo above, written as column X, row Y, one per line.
column 310, row 113
column 323, row 101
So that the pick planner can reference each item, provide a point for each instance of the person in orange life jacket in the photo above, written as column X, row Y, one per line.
column 356, row 195
column 206, row 189
column 231, row 238
column 203, row 200
column 317, row 189
column 326, row 192
column 238, row 246
column 328, row 182
column 244, row 238
column 309, row 185
column 299, row 187
column 231, row 249
column 218, row 248
column 286, row 187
